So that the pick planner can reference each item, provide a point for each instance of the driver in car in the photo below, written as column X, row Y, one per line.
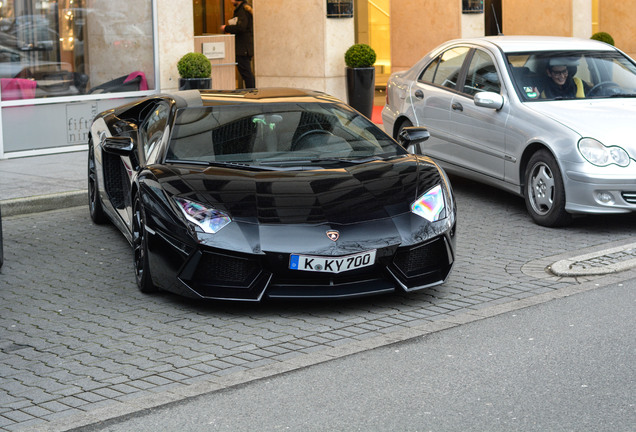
column 561, row 83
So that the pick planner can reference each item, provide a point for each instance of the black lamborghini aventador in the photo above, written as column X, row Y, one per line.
column 269, row 193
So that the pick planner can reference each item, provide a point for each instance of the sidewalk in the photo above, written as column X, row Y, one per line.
column 40, row 183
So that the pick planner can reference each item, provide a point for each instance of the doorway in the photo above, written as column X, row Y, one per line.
column 493, row 25
column 373, row 27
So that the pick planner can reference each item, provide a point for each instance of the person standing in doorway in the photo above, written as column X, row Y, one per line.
column 242, row 27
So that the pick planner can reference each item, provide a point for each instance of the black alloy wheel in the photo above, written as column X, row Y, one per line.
column 94, row 202
column 544, row 191
column 140, row 247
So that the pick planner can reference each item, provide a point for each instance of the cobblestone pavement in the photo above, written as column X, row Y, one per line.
column 80, row 344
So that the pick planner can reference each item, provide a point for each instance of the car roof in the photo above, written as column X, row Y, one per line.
column 197, row 98
column 541, row 43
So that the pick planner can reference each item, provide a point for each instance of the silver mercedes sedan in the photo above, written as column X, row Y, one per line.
column 550, row 119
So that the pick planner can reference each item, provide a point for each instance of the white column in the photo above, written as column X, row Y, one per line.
column 582, row 18
column 175, row 38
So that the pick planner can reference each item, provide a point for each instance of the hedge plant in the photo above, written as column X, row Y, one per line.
column 360, row 56
column 603, row 37
column 194, row 65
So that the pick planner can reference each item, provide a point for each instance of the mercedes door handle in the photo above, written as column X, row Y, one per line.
column 457, row 107
column 419, row 94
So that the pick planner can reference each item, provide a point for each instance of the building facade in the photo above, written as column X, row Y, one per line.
column 63, row 61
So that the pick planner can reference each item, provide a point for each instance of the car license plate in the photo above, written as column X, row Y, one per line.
column 331, row 264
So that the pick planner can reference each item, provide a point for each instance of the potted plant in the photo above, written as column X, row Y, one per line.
column 359, row 59
column 195, row 70
column 603, row 37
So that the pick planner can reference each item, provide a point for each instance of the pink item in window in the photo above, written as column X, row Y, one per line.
column 17, row 88
column 143, row 85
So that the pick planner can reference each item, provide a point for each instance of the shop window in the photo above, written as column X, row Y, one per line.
column 472, row 6
column 74, row 47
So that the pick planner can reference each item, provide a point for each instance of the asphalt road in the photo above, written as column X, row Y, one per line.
column 566, row 365
column 81, row 345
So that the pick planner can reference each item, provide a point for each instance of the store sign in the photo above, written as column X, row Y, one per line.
column 79, row 117
column 214, row 50
column 339, row 8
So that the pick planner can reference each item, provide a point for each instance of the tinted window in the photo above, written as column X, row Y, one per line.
column 482, row 75
column 429, row 73
column 590, row 74
column 154, row 127
column 446, row 68
column 274, row 132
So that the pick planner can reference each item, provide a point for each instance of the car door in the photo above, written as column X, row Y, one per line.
column 153, row 122
column 432, row 95
column 479, row 132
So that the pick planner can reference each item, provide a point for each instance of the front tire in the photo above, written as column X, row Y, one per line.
column 544, row 191
column 94, row 202
column 140, row 247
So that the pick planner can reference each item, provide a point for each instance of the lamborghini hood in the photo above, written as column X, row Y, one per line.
column 343, row 195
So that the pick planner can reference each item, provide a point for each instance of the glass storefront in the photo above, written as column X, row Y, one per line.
column 67, row 58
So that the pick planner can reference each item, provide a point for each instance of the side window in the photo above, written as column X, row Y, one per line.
column 482, row 75
column 154, row 127
column 450, row 65
column 429, row 73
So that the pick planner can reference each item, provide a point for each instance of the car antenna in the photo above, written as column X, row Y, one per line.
column 494, row 14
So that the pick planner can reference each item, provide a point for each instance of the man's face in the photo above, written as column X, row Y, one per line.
column 558, row 74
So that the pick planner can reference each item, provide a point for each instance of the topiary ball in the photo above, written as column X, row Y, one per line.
column 603, row 37
column 194, row 65
column 360, row 56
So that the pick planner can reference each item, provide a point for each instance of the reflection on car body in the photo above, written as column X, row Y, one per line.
column 491, row 118
column 269, row 193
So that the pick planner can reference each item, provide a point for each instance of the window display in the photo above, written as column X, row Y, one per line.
column 74, row 47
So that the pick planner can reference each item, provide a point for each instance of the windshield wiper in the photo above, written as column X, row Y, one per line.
column 207, row 163
column 329, row 160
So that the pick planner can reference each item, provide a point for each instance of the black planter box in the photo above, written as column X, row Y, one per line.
column 361, row 89
column 195, row 83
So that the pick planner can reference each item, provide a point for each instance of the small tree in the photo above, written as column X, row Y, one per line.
column 603, row 37
column 194, row 65
column 360, row 56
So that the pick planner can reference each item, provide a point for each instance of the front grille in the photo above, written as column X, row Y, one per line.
column 629, row 197
column 423, row 265
column 218, row 269
column 421, row 259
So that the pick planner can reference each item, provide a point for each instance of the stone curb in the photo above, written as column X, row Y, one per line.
column 39, row 203
column 598, row 263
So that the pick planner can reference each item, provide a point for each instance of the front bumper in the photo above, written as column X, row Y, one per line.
column 214, row 274
column 600, row 194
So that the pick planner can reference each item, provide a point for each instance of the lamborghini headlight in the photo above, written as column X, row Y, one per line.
column 431, row 205
column 208, row 219
column 598, row 154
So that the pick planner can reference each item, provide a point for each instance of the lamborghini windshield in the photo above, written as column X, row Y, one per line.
column 276, row 133
column 555, row 75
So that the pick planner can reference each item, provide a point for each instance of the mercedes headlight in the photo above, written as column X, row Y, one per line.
column 208, row 219
column 431, row 205
column 599, row 154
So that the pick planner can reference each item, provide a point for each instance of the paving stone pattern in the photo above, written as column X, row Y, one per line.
column 78, row 338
